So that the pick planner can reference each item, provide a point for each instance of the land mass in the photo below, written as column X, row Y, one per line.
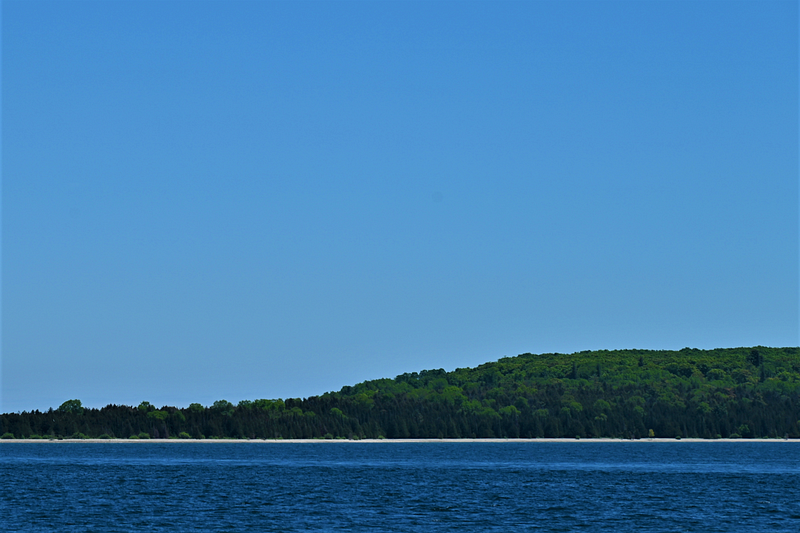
column 690, row 393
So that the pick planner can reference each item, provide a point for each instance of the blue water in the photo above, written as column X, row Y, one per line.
column 622, row 486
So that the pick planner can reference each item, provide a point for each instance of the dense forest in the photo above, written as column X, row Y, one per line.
column 735, row 392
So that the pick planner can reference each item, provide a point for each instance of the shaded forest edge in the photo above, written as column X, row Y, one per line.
column 733, row 392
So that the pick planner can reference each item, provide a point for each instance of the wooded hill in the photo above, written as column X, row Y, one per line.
column 735, row 392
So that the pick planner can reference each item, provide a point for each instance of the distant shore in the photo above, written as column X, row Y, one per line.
column 370, row 441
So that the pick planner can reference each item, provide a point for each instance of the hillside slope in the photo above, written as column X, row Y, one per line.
column 747, row 392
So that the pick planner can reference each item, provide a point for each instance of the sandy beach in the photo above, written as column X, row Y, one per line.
column 372, row 441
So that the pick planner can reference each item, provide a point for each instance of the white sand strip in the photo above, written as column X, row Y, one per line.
column 389, row 441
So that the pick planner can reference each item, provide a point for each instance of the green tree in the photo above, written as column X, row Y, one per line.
column 755, row 358
column 509, row 411
column 223, row 407
column 71, row 406
column 602, row 406
column 160, row 416
column 692, row 393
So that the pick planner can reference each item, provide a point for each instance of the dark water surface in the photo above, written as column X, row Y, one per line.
column 620, row 486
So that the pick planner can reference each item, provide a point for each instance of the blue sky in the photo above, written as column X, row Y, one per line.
column 240, row 200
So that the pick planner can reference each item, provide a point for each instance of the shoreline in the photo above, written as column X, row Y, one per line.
column 373, row 441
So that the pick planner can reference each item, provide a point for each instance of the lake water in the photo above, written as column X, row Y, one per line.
column 441, row 486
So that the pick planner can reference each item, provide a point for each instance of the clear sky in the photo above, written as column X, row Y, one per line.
column 241, row 200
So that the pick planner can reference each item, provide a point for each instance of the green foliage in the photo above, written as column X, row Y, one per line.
column 223, row 407
column 509, row 411
column 601, row 406
column 71, row 406
column 755, row 358
column 7, row 435
column 604, row 393
column 104, row 436
column 158, row 415
column 716, row 374
column 262, row 404
column 184, row 435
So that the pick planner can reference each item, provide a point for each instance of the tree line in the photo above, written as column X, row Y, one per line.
column 733, row 392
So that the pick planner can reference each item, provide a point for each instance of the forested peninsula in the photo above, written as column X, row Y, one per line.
column 730, row 393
